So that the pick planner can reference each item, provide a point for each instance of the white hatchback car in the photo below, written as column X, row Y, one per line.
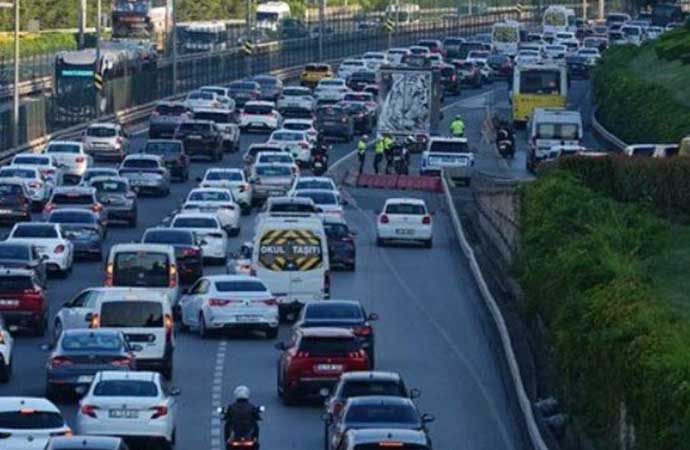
column 71, row 155
column 350, row 66
column 131, row 404
column 331, row 89
column 218, row 201
column 50, row 243
column 207, row 227
column 296, row 97
column 314, row 183
column 404, row 220
column 220, row 302
column 260, row 115
column 106, row 140
column 28, row 423
column 233, row 179
column 298, row 143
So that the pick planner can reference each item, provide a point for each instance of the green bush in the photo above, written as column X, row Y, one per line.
column 583, row 268
column 633, row 109
column 33, row 44
column 673, row 44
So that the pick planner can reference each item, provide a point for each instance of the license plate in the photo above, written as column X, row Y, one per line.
column 404, row 231
column 256, row 124
column 85, row 379
column 328, row 367
column 123, row 414
column 194, row 136
column 208, row 210
column 5, row 211
column 9, row 302
column 247, row 318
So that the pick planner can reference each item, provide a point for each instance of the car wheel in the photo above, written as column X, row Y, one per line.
column 352, row 267
column 325, row 438
column 272, row 333
column 203, row 332
column 380, row 242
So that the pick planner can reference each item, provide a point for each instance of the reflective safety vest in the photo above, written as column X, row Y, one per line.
column 457, row 128
column 379, row 148
column 361, row 147
column 387, row 143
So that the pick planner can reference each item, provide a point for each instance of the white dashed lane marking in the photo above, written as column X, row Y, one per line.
column 216, row 396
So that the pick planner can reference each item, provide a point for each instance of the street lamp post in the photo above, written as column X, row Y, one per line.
column 174, row 46
column 99, row 66
column 15, row 96
column 321, row 27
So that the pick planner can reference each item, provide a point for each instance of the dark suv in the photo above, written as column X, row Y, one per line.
column 201, row 137
column 173, row 154
column 358, row 80
column 166, row 117
column 23, row 300
column 449, row 79
column 334, row 121
column 15, row 203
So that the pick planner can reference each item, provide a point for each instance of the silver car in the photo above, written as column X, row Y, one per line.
column 106, row 141
column 165, row 118
column 270, row 180
column 225, row 121
column 146, row 174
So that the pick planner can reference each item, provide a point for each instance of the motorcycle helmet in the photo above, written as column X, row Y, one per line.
column 241, row 393
column 410, row 140
column 458, row 117
column 365, row 137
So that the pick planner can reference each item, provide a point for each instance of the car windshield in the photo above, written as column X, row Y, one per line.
column 101, row 132
column 140, row 163
column 320, row 198
column 131, row 314
column 336, row 230
column 30, row 419
column 363, row 388
column 406, row 208
column 240, row 286
column 125, row 388
column 200, row 95
column 63, row 148
column 242, row 86
column 110, row 186
column 209, row 196
column 8, row 251
column 561, row 131
column 292, row 208
column 313, row 184
column 35, row 231
column 141, row 269
column 540, row 82
column 218, row 175
column 298, row 126
column 274, row 171
column 266, row 157
column 258, row 109
column 91, row 342
column 198, row 127
column 163, row 148
column 328, row 346
column 169, row 237
column 323, row 310
column 171, row 110
column 367, row 77
column 15, row 283
column 296, row 92
column 266, row 82
column 93, row 173
column 382, row 413
column 72, row 198
column 31, row 160
column 73, row 217
column 195, row 222
column 331, row 83
column 13, row 172
column 217, row 117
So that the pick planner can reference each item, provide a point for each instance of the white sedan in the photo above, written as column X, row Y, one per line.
column 124, row 403
column 71, row 155
column 46, row 164
column 233, row 179
column 326, row 183
column 208, row 228
column 306, row 125
column 330, row 89
column 326, row 200
column 298, row 143
column 37, row 186
column 404, row 219
column 28, row 423
column 296, row 97
column 49, row 242
column 6, row 345
column 230, row 302
column 218, row 201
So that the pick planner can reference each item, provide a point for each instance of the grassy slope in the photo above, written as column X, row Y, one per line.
column 672, row 75
column 669, row 271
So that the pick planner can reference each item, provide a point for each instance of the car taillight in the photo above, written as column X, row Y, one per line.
column 169, row 324
column 34, row 185
column 243, row 188
column 270, row 302
column 173, row 276
column 359, row 354
column 122, row 362
column 186, row 253
column 79, row 159
column 48, row 208
column 109, row 274
column 159, row 411
column 219, row 302
column 362, row 331
column 302, row 355
column 303, row 145
column 248, row 443
column 89, row 410
column 95, row 321
column 230, row 207
column 59, row 249
column 97, row 208
column 344, row 120
column 426, row 220
column 384, row 219
column 60, row 361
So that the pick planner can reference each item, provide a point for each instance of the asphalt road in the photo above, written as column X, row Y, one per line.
column 433, row 329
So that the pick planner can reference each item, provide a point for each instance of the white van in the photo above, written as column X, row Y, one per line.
column 291, row 256
column 549, row 127
column 151, row 266
column 146, row 319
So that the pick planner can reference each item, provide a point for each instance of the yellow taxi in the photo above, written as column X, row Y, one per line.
column 313, row 73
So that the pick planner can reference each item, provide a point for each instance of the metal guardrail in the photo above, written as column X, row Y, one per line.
column 606, row 134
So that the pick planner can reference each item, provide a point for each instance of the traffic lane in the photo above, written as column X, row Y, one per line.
column 433, row 328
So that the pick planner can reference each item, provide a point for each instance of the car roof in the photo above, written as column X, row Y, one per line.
column 326, row 332
column 315, row 191
column 142, row 156
column 274, row 164
column 260, row 103
column 65, row 142
column 73, row 210
column 283, row 200
column 120, row 294
column 90, row 331
column 118, row 178
column 371, row 375
column 22, row 166
column 199, row 215
column 74, row 189
column 224, row 277
column 220, row 110
column 87, row 442
column 110, row 125
column 140, row 247
column 8, row 404
column 382, row 435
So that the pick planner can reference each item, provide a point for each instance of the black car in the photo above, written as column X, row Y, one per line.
column 452, row 46
column 502, row 66
column 341, row 244
column 335, row 122
column 358, row 80
column 187, row 250
column 81, row 353
column 341, row 314
column 118, row 199
column 19, row 255
column 173, row 154
column 296, row 112
column 244, row 91
column 271, row 87
column 15, row 202
column 577, row 66
column 84, row 229
column 363, row 118
column 201, row 137
column 449, row 79
column 86, row 443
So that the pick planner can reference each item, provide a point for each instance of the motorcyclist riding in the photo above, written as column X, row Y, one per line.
column 457, row 127
column 505, row 139
column 242, row 417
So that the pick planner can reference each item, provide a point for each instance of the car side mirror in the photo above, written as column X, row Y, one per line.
column 175, row 391
column 373, row 317
column 428, row 418
column 281, row 346
column 88, row 317
column 415, row 393
column 327, row 417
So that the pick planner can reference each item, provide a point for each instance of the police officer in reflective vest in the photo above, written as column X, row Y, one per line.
column 379, row 149
column 457, row 127
column 362, row 152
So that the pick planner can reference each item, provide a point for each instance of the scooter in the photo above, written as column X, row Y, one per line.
column 400, row 161
column 240, row 439
column 319, row 164
column 504, row 144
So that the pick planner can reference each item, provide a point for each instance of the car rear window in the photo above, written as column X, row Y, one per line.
column 320, row 198
column 30, row 419
column 163, row 148
column 449, row 147
column 406, row 208
column 14, row 283
column 298, row 126
column 140, row 163
column 240, row 286
column 290, row 137
column 91, row 342
column 330, row 112
column 363, row 388
column 141, row 268
column 335, row 230
column 11, row 190
column 72, row 198
column 73, row 217
column 31, row 160
column 217, row 117
column 131, row 314
column 125, row 388
column 274, row 171
column 199, row 127
column 14, row 252
column 242, row 86
column 171, row 110
column 274, row 158
column 101, row 132
column 557, row 131
column 63, row 148
column 317, row 68
column 313, row 184
column 35, row 231
column 258, row 109
column 292, row 208
column 223, row 175
column 195, row 222
column 288, row 92
column 322, row 346
column 367, row 77
column 201, row 96
column 209, row 196
column 382, row 413
column 169, row 237
column 324, row 311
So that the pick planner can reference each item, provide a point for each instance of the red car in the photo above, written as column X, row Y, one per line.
column 23, row 301
column 313, row 360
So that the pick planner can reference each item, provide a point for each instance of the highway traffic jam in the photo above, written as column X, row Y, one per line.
column 138, row 260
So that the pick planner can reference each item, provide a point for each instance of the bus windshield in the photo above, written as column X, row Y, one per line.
column 545, row 82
